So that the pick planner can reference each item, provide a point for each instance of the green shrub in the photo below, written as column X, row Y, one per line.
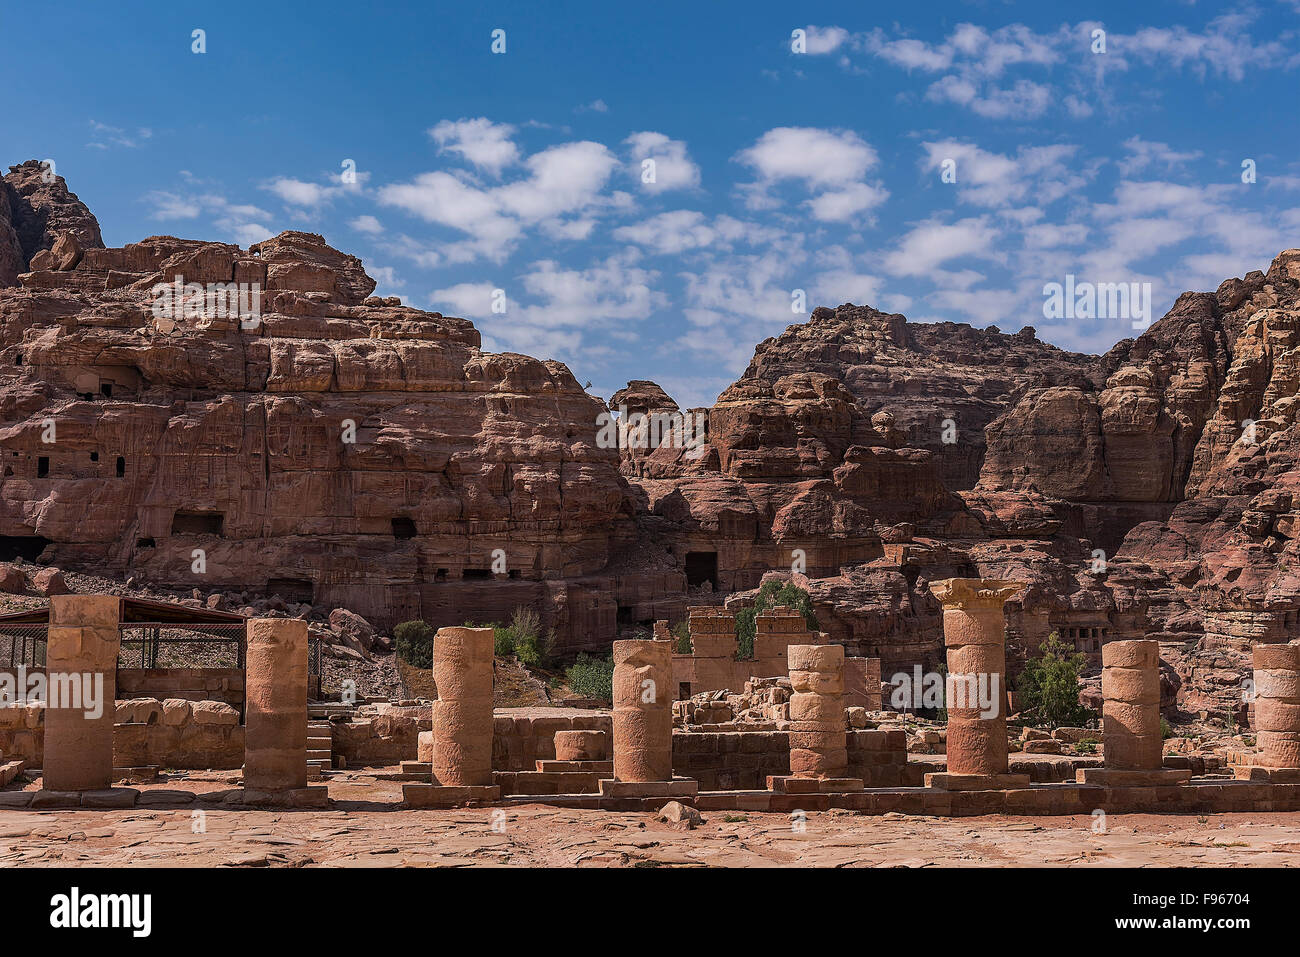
column 1049, row 685
column 592, row 677
column 415, row 643
column 1166, row 732
column 771, row 594
column 531, row 647
column 682, row 632
column 503, row 641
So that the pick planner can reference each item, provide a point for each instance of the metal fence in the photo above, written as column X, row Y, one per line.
column 23, row 645
column 151, row 645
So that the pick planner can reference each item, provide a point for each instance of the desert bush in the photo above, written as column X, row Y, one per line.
column 592, row 677
column 415, row 643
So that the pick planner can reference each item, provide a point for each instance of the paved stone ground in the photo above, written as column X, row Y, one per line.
column 363, row 832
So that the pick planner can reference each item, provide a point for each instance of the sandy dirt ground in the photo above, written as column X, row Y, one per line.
column 362, row 830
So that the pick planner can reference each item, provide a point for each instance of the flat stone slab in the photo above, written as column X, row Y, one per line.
column 943, row 781
column 16, row 798
column 43, row 799
column 1118, row 778
column 1257, row 772
column 677, row 787
column 166, row 796
column 292, row 797
column 110, row 798
column 438, row 795
column 787, row 784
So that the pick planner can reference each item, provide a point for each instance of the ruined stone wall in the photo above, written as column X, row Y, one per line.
column 742, row 760
column 172, row 734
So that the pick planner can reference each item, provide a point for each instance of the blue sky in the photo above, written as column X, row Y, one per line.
column 774, row 171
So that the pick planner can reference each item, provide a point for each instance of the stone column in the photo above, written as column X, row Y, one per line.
column 1277, row 705
column 84, row 637
column 275, row 736
column 1130, row 719
column 817, row 733
column 643, row 719
column 1130, row 711
column 974, row 633
column 462, row 715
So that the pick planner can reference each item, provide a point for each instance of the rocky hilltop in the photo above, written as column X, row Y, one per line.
column 343, row 450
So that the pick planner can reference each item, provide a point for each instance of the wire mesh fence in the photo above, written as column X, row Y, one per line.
column 23, row 645
column 150, row 645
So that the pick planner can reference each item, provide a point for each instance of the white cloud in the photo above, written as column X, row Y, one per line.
column 367, row 224
column 832, row 164
column 820, row 40
column 562, row 191
column 481, row 142
column 930, row 244
column 1146, row 153
column 994, row 180
column 669, row 234
column 469, row 300
column 238, row 222
column 673, row 167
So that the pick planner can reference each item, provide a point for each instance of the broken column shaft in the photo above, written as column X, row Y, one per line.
column 81, row 665
column 1130, row 688
column 462, row 715
column 275, row 742
column 817, row 728
column 643, row 720
column 1277, row 705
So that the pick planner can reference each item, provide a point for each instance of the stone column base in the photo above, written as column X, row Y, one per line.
column 676, row 788
column 437, row 795
column 1257, row 772
column 785, row 784
column 1119, row 778
column 943, row 781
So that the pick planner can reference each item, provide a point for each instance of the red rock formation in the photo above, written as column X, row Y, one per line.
column 34, row 214
column 344, row 451
column 353, row 452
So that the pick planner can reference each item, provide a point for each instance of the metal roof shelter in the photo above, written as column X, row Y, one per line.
column 150, row 625
column 138, row 610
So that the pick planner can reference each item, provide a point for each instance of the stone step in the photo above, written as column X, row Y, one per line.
column 319, row 754
column 319, row 744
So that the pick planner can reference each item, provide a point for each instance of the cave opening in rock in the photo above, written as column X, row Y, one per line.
column 403, row 527
column 121, row 467
column 26, row 547
column 43, row 466
column 476, row 573
column 701, row 567
column 198, row 523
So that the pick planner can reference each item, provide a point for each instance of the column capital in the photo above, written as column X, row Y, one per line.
column 974, row 592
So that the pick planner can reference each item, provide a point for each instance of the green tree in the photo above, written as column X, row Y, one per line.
column 1049, row 685
column 415, row 643
column 771, row 594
